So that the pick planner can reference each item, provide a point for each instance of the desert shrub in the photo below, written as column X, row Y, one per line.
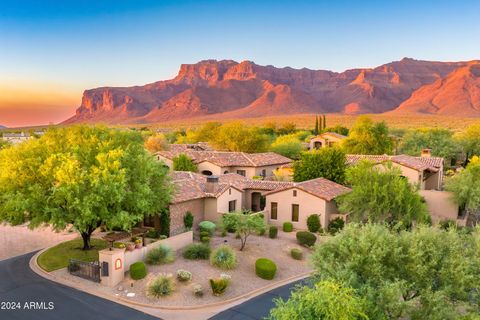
column 188, row 220
column 219, row 285
column 265, row 268
column 272, row 232
column 296, row 254
column 197, row 251
column 223, row 257
column 204, row 234
column 306, row 238
column 160, row 255
column 119, row 245
column 207, row 226
column 261, row 232
column 198, row 290
column 162, row 237
column 162, row 285
column 154, row 234
column 138, row 270
column 287, row 227
column 205, row 239
column 447, row 224
column 313, row 223
column 224, row 233
column 336, row 225
column 184, row 275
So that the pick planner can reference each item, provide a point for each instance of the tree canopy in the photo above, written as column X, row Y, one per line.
column 329, row 163
column 236, row 136
column 157, row 142
column 381, row 195
column 465, row 187
column 289, row 146
column 84, row 176
column 470, row 140
column 244, row 224
column 182, row 162
column 427, row 273
column 367, row 137
column 327, row 300
column 439, row 140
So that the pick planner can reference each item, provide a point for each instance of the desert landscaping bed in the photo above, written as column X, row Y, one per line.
column 243, row 277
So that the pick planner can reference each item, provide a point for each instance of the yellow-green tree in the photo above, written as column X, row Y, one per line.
column 235, row 136
column 84, row 176
column 368, row 137
column 156, row 143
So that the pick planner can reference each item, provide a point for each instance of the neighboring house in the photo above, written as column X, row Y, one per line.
column 15, row 138
column 296, row 201
column 208, row 197
column 219, row 162
column 424, row 171
column 326, row 139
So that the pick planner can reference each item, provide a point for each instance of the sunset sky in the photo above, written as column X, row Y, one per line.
column 50, row 51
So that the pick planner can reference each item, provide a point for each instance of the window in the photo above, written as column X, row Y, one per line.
column 294, row 193
column 295, row 212
column 207, row 173
column 273, row 210
column 232, row 205
column 229, row 191
column 242, row 172
column 225, row 172
column 264, row 173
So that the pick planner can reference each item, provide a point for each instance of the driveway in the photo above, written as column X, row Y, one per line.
column 17, row 240
column 258, row 307
column 19, row 284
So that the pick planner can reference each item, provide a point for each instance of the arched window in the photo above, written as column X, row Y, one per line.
column 207, row 172
column 225, row 172
column 118, row 264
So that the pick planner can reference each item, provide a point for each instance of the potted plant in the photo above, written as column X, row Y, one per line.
column 138, row 243
column 130, row 246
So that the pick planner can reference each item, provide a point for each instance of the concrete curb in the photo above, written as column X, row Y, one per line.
column 211, row 308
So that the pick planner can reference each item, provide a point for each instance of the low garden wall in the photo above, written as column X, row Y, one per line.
column 175, row 242
column 115, row 262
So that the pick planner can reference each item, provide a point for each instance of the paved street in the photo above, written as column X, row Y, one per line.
column 256, row 308
column 18, row 283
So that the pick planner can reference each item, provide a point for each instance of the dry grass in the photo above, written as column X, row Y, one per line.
column 307, row 121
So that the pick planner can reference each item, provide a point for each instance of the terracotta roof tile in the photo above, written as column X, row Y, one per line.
column 320, row 187
column 418, row 163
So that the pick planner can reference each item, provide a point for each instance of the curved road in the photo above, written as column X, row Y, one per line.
column 20, row 285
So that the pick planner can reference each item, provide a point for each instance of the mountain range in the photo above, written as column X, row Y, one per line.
column 228, row 89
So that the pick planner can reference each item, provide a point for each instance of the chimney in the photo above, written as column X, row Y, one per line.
column 212, row 184
column 426, row 153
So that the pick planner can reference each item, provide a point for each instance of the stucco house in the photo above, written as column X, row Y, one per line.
column 326, row 139
column 219, row 162
column 424, row 171
column 296, row 201
column 208, row 197
column 15, row 138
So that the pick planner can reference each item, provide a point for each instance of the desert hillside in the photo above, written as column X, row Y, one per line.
column 228, row 89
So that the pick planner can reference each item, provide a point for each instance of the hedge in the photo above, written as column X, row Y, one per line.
column 265, row 268
column 207, row 226
column 272, row 232
column 306, row 238
column 296, row 254
column 287, row 227
column 138, row 270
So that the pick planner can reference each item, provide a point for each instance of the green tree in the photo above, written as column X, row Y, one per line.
column 244, row 224
column 327, row 300
column 470, row 140
column 381, row 195
column 316, row 130
column 329, row 163
column 426, row 273
column 439, row 140
column 338, row 129
column 465, row 187
column 182, row 162
column 236, row 136
column 205, row 133
column 82, row 175
column 367, row 137
column 288, row 145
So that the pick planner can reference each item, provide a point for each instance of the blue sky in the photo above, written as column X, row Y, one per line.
column 69, row 46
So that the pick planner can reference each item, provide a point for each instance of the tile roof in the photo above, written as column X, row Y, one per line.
column 191, row 186
column 417, row 163
column 227, row 159
column 320, row 187
column 333, row 134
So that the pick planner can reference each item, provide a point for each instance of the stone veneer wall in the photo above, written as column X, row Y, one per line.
column 178, row 210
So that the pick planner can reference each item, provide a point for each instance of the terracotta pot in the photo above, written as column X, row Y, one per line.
column 138, row 245
column 130, row 246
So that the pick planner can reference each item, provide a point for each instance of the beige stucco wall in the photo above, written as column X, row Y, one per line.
column 440, row 205
column 205, row 165
column 167, row 161
column 210, row 209
column 308, row 204
column 323, row 140
column 226, row 197
column 178, row 211
column 413, row 176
